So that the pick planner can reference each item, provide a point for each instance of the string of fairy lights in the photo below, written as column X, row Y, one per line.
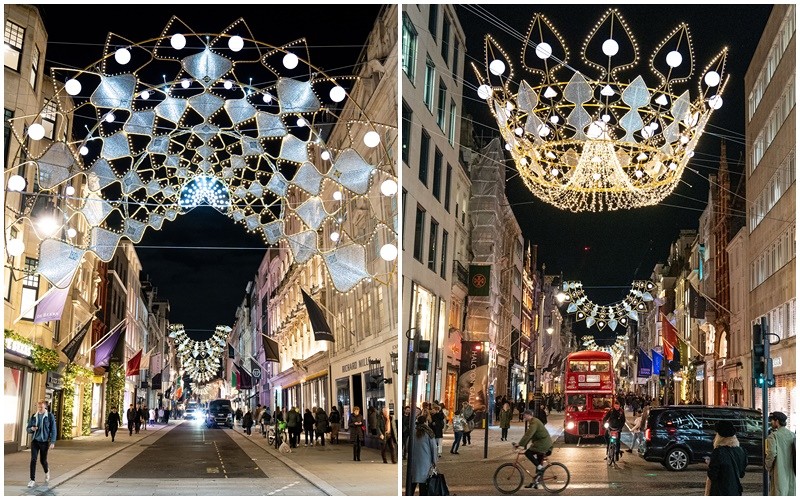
column 200, row 359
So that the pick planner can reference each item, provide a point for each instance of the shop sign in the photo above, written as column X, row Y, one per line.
column 777, row 361
column 701, row 371
column 25, row 350
column 54, row 381
column 361, row 363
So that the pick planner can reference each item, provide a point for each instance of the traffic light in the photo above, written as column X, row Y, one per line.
column 759, row 365
column 423, row 348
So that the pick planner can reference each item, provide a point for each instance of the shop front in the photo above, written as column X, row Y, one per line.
column 17, row 394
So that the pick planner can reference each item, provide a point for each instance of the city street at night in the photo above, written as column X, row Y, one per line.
column 188, row 459
column 468, row 473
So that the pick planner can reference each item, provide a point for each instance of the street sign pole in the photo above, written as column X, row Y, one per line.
column 413, row 370
column 765, row 406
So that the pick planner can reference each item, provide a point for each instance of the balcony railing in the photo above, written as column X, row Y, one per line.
column 461, row 273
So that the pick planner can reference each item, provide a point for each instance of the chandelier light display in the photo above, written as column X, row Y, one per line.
column 609, row 143
column 611, row 316
column 200, row 359
column 223, row 120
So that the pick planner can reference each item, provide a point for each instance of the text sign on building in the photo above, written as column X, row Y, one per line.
column 18, row 347
column 361, row 363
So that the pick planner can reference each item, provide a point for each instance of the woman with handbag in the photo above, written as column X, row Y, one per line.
column 425, row 454
column 358, row 429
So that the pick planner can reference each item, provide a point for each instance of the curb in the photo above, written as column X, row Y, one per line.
column 312, row 478
column 63, row 478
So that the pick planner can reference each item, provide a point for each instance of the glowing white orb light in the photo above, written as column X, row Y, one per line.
column 16, row 183
column 110, row 117
column 177, row 41
column 335, row 236
column 301, row 122
column 228, row 84
column 674, row 59
column 325, row 155
column 15, row 247
column 235, row 43
column 71, row 232
column 497, row 67
column 388, row 252
column 711, row 78
column 70, row 191
column 47, row 225
column 267, row 98
column 337, row 94
column 337, row 195
column 84, row 151
column 73, row 87
column 145, row 94
column 36, row 131
column 610, row 47
column 372, row 139
column 290, row 61
column 389, row 187
column 715, row 102
column 122, row 56
column 484, row 91
column 544, row 50
column 185, row 83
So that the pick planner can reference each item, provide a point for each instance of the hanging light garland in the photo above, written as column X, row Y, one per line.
column 611, row 316
column 206, row 134
column 200, row 359
column 607, row 143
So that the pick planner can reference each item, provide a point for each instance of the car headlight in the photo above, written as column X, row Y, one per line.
column 570, row 426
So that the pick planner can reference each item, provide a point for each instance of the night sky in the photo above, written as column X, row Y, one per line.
column 614, row 248
column 204, row 287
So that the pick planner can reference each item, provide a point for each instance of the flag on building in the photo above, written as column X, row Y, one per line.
column 50, row 306
column 479, row 280
column 270, row 349
column 697, row 303
column 644, row 365
column 133, row 365
column 104, row 350
column 658, row 359
column 669, row 334
column 318, row 322
column 71, row 349
column 233, row 377
column 145, row 363
column 243, row 379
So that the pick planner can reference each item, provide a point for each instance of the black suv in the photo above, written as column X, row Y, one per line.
column 677, row 436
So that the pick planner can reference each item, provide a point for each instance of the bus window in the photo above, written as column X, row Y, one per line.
column 601, row 402
column 577, row 400
column 599, row 367
column 579, row 366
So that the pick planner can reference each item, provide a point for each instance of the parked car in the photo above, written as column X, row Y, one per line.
column 678, row 436
column 220, row 413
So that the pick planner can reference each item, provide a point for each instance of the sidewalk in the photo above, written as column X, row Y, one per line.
column 331, row 467
column 71, row 457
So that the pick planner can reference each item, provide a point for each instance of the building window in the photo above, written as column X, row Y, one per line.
column 405, row 195
column 49, row 119
column 516, row 307
column 456, row 76
column 409, row 47
column 451, row 135
column 433, row 17
column 419, row 233
column 440, row 109
column 432, row 244
column 406, row 134
column 34, row 66
column 437, row 173
column 30, row 289
column 430, row 76
column 424, row 153
column 7, row 115
column 445, row 39
column 447, row 187
column 443, row 264
column 12, row 233
column 14, row 36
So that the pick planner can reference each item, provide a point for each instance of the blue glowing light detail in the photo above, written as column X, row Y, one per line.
column 205, row 190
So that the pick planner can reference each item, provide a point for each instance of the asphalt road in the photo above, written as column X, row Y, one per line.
column 191, row 451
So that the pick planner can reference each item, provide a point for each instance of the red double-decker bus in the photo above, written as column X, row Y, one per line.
column 589, row 391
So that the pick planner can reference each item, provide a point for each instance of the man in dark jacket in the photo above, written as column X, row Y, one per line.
column 113, row 422
column 131, row 416
column 335, row 420
column 615, row 417
column 406, row 422
column 138, row 419
column 387, row 433
column 437, row 425
column 321, row 425
column 42, row 427
column 294, row 422
column 727, row 463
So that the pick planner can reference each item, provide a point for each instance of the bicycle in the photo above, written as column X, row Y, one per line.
column 612, row 451
column 508, row 478
column 282, row 436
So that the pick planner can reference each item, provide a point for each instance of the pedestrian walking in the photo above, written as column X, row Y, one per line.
column 469, row 415
column 505, row 421
column 161, row 415
column 358, row 429
column 437, row 424
column 321, row 425
column 238, row 415
column 459, row 423
column 152, row 416
column 387, row 433
column 425, row 456
column 42, row 425
column 112, row 423
column 779, row 460
column 542, row 414
column 257, row 416
column 294, row 422
column 520, row 409
column 637, row 432
column 308, row 426
column 138, row 418
column 727, row 463
column 144, row 416
column 335, row 420
column 406, row 427
column 265, row 419
column 372, row 420
column 247, row 422
column 131, row 416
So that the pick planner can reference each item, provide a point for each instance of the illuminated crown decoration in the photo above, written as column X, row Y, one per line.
column 611, row 316
column 200, row 359
column 609, row 143
column 189, row 119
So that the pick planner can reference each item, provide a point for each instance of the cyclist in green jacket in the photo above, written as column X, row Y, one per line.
column 538, row 439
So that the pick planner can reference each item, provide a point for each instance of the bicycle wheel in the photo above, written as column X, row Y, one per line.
column 508, row 478
column 555, row 477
